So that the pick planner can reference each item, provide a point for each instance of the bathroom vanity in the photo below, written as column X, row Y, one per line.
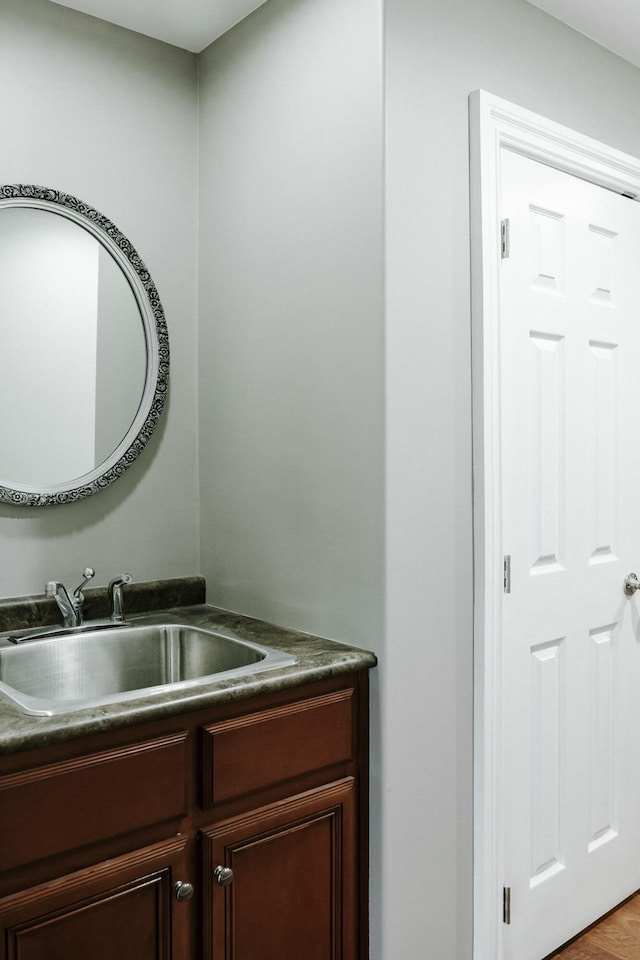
column 226, row 821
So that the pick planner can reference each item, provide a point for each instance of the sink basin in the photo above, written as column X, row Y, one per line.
column 71, row 671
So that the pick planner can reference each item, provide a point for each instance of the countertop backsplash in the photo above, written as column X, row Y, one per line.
column 40, row 610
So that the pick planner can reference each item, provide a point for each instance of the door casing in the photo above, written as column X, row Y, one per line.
column 496, row 124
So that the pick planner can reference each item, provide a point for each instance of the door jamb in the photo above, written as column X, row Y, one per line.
column 496, row 124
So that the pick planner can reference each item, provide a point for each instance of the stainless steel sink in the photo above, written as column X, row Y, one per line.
column 74, row 670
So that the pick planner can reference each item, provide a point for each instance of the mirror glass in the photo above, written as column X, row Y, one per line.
column 71, row 332
column 84, row 355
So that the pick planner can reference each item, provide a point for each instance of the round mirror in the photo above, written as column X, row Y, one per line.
column 84, row 362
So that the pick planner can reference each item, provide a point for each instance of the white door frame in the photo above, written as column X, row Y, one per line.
column 495, row 124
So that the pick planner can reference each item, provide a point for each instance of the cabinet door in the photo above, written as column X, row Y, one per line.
column 121, row 909
column 292, row 891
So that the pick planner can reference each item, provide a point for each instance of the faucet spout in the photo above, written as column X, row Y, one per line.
column 66, row 605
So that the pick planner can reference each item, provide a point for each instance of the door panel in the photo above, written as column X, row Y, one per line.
column 120, row 909
column 570, row 359
column 123, row 924
column 293, row 892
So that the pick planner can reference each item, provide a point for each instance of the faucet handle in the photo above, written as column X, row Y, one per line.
column 88, row 574
column 115, row 592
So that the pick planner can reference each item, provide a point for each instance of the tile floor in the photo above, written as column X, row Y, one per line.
column 616, row 937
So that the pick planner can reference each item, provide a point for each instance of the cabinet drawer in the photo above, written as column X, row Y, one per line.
column 260, row 750
column 63, row 806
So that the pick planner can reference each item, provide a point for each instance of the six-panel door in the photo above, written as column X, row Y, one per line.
column 570, row 473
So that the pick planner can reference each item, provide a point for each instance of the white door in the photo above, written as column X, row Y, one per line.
column 570, row 455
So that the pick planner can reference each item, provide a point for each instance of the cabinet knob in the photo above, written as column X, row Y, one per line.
column 183, row 890
column 223, row 875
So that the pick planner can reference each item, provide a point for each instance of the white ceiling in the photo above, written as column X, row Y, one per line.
column 192, row 24
column 614, row 24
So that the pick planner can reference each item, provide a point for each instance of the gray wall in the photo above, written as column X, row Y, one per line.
column 111, row 116
column 291, row 375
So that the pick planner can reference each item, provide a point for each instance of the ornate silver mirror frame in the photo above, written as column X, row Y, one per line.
column 155, row 334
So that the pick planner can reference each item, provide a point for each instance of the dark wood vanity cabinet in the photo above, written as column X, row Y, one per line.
column 233, row 833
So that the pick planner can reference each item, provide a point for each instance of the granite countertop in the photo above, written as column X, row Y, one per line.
column 316, row 659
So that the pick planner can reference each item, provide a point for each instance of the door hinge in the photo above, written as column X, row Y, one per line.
column 505, row 239
column 506, row 574
column 506, row 904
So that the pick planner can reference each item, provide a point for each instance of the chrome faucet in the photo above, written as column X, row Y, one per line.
column 70, row 607
column 115, row 592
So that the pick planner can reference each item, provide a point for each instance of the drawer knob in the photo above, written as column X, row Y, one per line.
column 223, row 875
column 183, row 890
